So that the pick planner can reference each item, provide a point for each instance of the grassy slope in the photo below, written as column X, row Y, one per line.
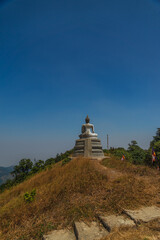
column 151, row 182
column 77, row 190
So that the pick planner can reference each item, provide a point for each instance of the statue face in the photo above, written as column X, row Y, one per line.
column 87, row 119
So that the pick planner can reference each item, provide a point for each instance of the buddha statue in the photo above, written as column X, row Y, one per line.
column 88, row 145
column 88, row 130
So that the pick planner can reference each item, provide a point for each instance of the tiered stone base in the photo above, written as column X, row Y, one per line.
column 88, row 147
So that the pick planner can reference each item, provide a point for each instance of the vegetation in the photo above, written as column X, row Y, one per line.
column 51, row 194
column 136, row 155
column 73, row 191
column 26, row 168
column 29, row 197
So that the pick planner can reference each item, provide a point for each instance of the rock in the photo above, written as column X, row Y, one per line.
column 114, row 221
column 60, row 235
column 89, row 232
column 144, row 214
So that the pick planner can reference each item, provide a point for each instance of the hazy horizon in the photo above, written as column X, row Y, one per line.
column 62, row 60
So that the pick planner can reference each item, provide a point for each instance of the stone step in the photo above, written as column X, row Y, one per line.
column 144, row 214
column 60, row 235
column 112, row 221
column 79, row 147
column 94, row 230
column 96, row 147
column 91, row 231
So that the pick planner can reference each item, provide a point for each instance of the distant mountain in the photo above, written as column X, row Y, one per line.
column 5, row 173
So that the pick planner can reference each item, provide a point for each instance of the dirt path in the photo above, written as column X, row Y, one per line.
column 110, row 173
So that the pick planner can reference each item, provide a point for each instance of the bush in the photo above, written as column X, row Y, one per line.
column 29, row 197
column 137, row 154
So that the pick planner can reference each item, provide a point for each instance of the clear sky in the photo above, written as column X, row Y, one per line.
column 62, row 60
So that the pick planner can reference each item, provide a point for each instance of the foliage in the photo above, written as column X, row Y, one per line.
column 21, row 170
column 156, row 147
column 38, row 166
column 136, row 152
column 27, row 168
column 29, row 197
column 78, row 190
column 155, row 138
column 118, row 152
column 155, row 144
column 148, row 157
column 50, row 161
column 66, row 160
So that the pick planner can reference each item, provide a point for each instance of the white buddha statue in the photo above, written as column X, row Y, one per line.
column 88, row 130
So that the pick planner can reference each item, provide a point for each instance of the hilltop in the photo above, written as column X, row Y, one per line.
column 78, row 190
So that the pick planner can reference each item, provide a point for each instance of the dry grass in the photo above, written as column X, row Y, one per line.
column 145, row 231
column 142, row 233
column 127, row 167
column 67, row 193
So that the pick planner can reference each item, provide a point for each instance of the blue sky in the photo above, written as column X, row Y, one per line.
column 62, row 60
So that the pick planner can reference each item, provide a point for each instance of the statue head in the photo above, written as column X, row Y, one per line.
column 87, row 119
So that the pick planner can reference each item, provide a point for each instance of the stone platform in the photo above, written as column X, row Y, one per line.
column 88, row 147
column 93, row 231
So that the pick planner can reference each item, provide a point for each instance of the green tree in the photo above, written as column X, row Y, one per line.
column 156, row 147
column 148, row 157
column 25, row 165
column 49, row 161
column 38, row 165
column 155, row 138
column 21, row 171
column 136, row 152
column 155, row 144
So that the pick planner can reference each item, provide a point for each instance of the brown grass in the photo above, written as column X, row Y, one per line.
column 127, row 167
column 142, row 233
column 77, row 190
column 145, row 231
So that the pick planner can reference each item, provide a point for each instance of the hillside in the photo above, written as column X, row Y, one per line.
column 80, row 189
column 5, row 173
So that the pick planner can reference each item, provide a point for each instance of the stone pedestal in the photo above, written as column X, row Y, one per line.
column 88, row 147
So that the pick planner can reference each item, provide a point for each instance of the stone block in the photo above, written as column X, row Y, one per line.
column 112, row 221
column 144, row 214
column 60, row 235
column 93, row 231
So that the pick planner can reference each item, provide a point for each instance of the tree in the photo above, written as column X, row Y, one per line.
column 49, row 161
column 38, row 165
column 132, row 145
column 25, row 165
column 155, row 144
column 155, row 138
column 137, row 153
column 156, row 147
column 21, row 171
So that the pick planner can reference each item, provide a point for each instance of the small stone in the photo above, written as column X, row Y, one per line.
column 114, row 221
column 144, row 214
column 89, row 232
column 60, row 235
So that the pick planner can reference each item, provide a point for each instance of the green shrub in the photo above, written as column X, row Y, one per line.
column 29, row 197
